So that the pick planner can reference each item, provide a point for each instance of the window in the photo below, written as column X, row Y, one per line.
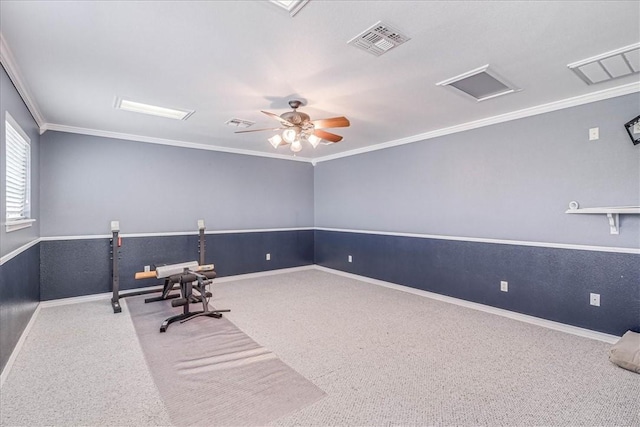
column 18, row 176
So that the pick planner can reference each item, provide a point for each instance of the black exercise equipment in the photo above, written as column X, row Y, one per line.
column 190, row 280
column 115, row 243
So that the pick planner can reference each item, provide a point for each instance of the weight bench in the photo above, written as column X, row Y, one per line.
column 189, row 276
column 189, row 281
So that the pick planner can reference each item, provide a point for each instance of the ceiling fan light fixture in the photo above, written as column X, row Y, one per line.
column 296, row 146
column 290, row 135
column 313, row 140
column 275, row 140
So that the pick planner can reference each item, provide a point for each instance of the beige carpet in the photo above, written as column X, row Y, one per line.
column 210, row 373
column 384, row 358
column 387, row 357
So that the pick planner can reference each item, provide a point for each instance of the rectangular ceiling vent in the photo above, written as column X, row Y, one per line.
column 291, row 6
column 239, row 123
column 480, row 84
column 378, row 39
column 608, row 66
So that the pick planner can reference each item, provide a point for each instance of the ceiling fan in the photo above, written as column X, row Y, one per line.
column 297, row 126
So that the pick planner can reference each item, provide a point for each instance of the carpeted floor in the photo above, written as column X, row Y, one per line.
column 384, row 357
column 81, row 365
column 209, row 372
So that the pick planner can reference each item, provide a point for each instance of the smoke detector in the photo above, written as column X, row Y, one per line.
column 378, row 39
column 480, row 84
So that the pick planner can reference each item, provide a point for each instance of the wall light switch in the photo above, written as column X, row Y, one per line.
column 350, row 258
column 594, row 133
column 268, row 257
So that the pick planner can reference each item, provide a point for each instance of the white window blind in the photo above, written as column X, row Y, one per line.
column 18, row 175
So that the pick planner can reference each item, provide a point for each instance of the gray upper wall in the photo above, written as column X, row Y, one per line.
column 87, row 181
column 509, row 181
column 11, row 101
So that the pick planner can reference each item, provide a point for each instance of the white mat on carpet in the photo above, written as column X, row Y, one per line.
column 209, row 372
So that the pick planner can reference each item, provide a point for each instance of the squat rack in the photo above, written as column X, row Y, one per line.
column 116, row 242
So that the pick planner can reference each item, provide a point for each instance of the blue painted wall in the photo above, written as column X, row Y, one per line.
column 511, row 181
column 19, row 275
column 82, row 267
column 19, row 296
column 549, row 283
column 88, row 181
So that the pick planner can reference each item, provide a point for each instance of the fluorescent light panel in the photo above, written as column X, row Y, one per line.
column 154, row 110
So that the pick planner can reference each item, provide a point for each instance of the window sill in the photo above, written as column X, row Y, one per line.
column 19, row 224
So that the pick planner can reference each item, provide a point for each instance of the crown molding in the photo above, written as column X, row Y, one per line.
column 172, row 142
column 514, row 115
column 9, row 64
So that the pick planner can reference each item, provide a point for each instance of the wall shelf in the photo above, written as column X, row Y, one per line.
column 613, row 213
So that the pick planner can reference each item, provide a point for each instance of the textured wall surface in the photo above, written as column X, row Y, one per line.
column 11, row 102
column 88, row 181
column 19, row 296
column 82, row 267
column 512, row 180
column 19, row 276
column 549, row 283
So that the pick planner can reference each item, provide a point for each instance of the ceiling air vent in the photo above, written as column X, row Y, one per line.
column 239, row 123
column 480, row 84
column 378, row 39
column 608, row 66
column 291, row 6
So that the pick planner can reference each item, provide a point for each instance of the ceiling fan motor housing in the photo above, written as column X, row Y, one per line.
column 295, row 117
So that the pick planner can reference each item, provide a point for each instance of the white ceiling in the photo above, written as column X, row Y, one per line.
column 231, row 59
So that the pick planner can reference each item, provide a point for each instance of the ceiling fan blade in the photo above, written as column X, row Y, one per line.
column 257, row 130
column 327, row 136
column 278, row 118
column 334, row 122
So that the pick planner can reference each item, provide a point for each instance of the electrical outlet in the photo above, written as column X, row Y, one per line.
column 268, row 257
column 594, row 299
column 147, row 268
column 594, row 134
column 504, row 286
column 350, row 258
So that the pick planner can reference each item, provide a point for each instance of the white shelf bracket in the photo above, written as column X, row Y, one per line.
column 614, row 223
column 613, row 213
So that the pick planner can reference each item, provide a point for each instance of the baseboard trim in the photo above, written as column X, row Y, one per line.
column 108, row 295
column 574, row 330
column 263, row 273
column 18, row 347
